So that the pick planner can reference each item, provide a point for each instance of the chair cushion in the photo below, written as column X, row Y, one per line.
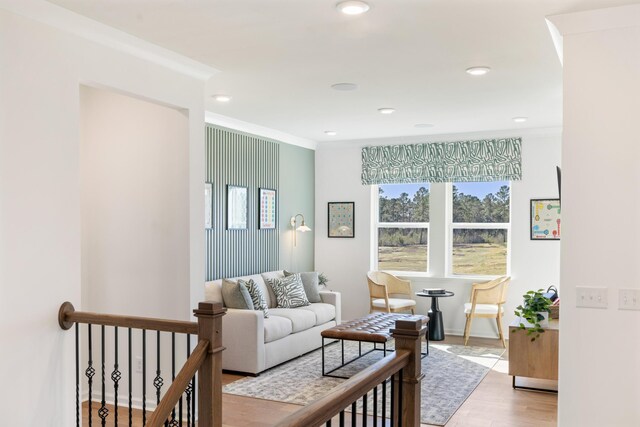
column 276, row 327
column 301, row 320
column 324, row 312
column 394, row 303
column 483, row 308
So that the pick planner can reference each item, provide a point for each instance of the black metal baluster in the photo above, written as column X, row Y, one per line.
column 116, row 375
column 130, row 386
column 103, row 412
column 364, row 410
column 77, row 375
column 193, row 401
column 180, row 406
column 158, row 381
column 173, row 423
column 384, row 402
column 328, row 423
column 341, row 418
column 188, row 390
column 400, row 398
column 391, row 410
column 144, row 377
column 90, row 372
column 353, row 414
column 375, row 406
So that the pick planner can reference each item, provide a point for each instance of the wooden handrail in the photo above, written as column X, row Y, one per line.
column 67, row 316
column 325, row 408
column 179, row 384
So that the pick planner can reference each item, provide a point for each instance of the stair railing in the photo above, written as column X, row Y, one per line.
column 402, row 369
column 205, row 360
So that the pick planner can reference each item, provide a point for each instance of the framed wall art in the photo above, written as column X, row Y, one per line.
column 208, row 205
column 341, row 219
column 545, row 219
column 236, row 207
column 268, row 209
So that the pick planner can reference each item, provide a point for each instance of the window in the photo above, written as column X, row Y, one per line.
column 479, row 228
column 403, row 227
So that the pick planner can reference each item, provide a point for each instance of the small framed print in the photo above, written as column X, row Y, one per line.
column 208, row 205
column 236, row 207
column 268, row 208
column 545, row 219
column 341, row 222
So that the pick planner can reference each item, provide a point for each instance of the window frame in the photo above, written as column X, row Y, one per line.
column 377, row 225
column 450, row 225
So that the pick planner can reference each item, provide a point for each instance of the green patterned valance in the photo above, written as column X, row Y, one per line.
column 461, row 161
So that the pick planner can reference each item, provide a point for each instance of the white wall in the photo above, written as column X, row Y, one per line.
column 600, row 348
column 346, row 261
column 40, row 233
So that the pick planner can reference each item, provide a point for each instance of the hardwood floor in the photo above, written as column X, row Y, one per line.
column 492, row 404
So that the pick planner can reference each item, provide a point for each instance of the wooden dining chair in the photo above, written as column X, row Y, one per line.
column 389, row 294
column 487, row 300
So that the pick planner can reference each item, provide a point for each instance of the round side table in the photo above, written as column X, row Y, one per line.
column 436, row 326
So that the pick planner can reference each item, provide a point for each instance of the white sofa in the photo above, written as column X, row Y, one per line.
column 254, row 343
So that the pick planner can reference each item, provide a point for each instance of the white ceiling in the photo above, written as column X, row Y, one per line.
column 278, row 59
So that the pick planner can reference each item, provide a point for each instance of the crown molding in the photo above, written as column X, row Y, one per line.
column 597, row 19
column 265, row 132
column 86, row 28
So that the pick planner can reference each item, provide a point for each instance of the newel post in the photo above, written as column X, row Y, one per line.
column 408, row 335
column 209, row 316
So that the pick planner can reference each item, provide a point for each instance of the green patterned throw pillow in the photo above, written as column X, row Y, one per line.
column 310, row 282
column 257, row 297
column 289, row 291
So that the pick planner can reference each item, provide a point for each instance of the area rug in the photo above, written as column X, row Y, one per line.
column 452, row 372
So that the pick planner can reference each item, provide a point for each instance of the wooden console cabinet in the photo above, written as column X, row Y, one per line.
column 537, row 359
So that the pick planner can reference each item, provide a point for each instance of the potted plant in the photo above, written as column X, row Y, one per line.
column 534, row 313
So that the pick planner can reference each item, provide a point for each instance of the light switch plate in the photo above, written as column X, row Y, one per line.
column 591, row 297
column 629, row 299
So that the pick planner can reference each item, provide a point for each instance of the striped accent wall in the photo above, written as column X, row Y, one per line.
column 237, row 158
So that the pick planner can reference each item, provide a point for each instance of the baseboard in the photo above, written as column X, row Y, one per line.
column 123, row 401
column 460, row 333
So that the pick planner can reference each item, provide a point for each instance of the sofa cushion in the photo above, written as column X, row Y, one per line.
column 235, row 295
column 276, row 327
column 257, row 296
column 271, row 297
column 300, row 319
column 289, row 292
column 310, row 283
column 323, row 312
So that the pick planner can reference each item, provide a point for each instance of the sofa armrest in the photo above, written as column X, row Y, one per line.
column 243, row 337
column 333, row 298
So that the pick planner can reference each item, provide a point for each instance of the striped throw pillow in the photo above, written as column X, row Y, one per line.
column 257, row 297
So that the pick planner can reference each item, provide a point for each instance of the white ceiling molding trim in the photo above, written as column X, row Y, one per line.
column 597, row 19
column 79, row 25
column 547, row 132
column 242, row 126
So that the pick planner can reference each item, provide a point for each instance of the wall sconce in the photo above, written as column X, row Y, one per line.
column 301, row 228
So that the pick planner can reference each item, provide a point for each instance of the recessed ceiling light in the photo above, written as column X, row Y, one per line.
column 331, row 132
column 222, row 98
column 519, row 119
column 423, row 125
column 478, row 71
column 344, row 86
column 352, row 7
column 386, row 110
